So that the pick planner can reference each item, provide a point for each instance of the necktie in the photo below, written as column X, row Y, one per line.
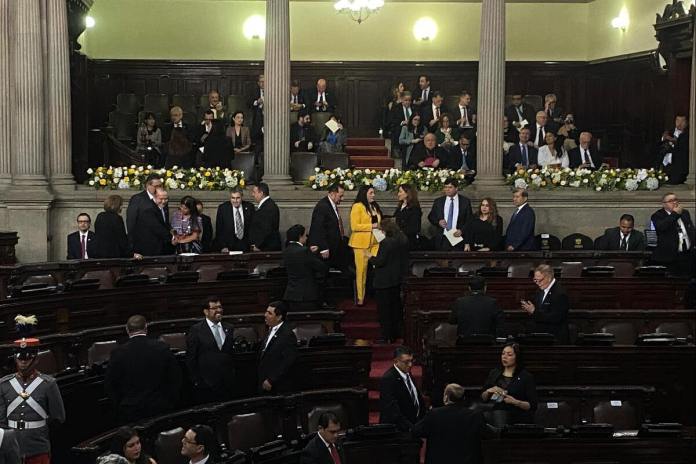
column 540, row 136
column 217, row 336
column 465, row 166
column 437, row 113
column 164, row 217
column 340, row 222
column 450, row 214
column 83, row 247
column 424, row 97
column 525, row 158
column 238, row 225
column 334, row 454
column 624, row 243
column 411, row 391
column 520, row 114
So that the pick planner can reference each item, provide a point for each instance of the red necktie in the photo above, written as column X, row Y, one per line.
column 83, row 247
column 340, row 222
column 334, row 454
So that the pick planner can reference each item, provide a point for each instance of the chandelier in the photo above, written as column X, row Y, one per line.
column 359, row 10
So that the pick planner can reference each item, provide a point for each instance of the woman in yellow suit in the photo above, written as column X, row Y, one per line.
column 365, row 216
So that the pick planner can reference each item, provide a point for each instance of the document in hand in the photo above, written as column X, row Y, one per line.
column 524, row 123
column 452, row 239
column 378, row 234
column 332, row 125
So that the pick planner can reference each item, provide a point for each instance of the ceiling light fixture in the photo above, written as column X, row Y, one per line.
column 359, row 10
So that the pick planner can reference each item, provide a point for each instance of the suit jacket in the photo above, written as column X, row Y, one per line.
column 325, row 232
column 312, row 96
column 316, row 452
column 257, row 111
column 427, row 116
column 477, row 314
column 575, row 157
column 264, row 227
column 304, row 268
column 409, row 221
column 301, row 100
column 305, row 133
column 453, row 433
column 143, row 378
column 244, row 135
column 515, row 156
column 551, row 315
column 611, row 240
column 277, row 360
column 9, row 449
column 679, row 168
column 225, row 236
column 521, row 387
column 152, row 236
column 396, row 117
column 520, row 231
column 136, row 205
column 420, row 153
column 209, row 366
column 110, row 239
column 528, row 112
column 456, row 157
column 207, row 239
column 437, row 213
column 418, row 93
column 395, row 403
column 533, row 131
column 391, row 262
column 361, row 235
column 667, row 229
column 75, row 247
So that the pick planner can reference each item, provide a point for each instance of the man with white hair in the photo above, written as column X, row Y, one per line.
column 585, row 155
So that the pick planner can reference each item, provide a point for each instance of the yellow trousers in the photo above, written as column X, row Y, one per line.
column 361, row 268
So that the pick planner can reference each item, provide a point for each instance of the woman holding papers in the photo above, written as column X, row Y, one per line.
column 365, row 217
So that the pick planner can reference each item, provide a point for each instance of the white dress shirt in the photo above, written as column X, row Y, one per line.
column 202, row 461
column 683, row 237
column 212, row 324
column 547, row 290
column 544, row 157
column 455, row 214
column 86, row 236
column 409, row 383
column 263, row 200
column 241, row 215
column 274, row 330
column 586, row 156
column 540, row 135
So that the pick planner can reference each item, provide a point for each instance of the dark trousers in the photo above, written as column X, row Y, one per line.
column 684, row 265
column 390, row 311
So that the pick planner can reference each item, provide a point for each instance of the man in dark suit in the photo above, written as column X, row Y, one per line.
column 477, row 313
column 519, row 111
column 278, row 351
column 464, row 115
column 143, row 378
column 622, row 238
column 554, row 113
column 453, row 432
column 538, row 129
column 428, row 149
column 199, row 445
column 9, row 448
column 676, row 237
column 424, row 95
column 324, row 448
column 463, row 158
column 519, row 235
column 549, row 310
column 256, row 103
column 209, row 354
column 207, row 240
column 263, row 233
column 215, row 105
column 177, row 140
column 674, row 151
column 451, row 211
column 152, row 235
column 306, row 271
column 233, row 222
column 431, row 113
column 140, row 202
column 297, row 98
column 400, row 402
column 585, row 155
column 321, row 100
column 79, row 242
column 399, row 117
column 523, row 154
column 326, row 231
column 302, row 135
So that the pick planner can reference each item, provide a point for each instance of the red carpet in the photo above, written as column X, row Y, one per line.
column 362, row 323
column 369, row 153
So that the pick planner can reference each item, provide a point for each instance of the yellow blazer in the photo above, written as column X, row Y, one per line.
column 361, row 227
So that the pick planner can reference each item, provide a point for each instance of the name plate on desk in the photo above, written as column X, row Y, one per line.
column 552, row 405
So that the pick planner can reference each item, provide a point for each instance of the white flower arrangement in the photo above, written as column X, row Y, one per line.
column 426, row 180
column 601, row 180
column 133, row 177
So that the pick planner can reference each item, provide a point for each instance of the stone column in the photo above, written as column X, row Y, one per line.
column 491, row 93
column 28, row 107
column 5, row 131
column 277, row 74
column 58, row 95
column 691, row 179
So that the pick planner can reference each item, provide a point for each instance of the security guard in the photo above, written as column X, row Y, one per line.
column 27, row 400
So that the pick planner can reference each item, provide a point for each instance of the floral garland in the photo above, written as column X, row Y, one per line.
column 425, row 180
column 599, row 180
column 134, row 177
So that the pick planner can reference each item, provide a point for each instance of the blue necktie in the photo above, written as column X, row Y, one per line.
column 450, row 214
column 525, row 158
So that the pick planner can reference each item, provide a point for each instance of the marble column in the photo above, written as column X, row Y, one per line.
column 58, row 95
column 277, row 74
column 28, row 107
column 691, row 179
column 491, row 93
column 5, row 131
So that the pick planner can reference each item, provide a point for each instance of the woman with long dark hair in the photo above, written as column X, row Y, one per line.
column 187, row 227
column 411, row 135
column 365, row 216
column 126, row 443
column 484, row 231
column 511, row 387
column 149, row 140
column 408, row 214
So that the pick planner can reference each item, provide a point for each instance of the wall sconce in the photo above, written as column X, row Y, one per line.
column 425, row 29
column 621, row 21
column 89, row 22
column 254, row 27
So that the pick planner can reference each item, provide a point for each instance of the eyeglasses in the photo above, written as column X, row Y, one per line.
column 673, row 200
column 83, row 222
column 536, row 281
column 190, row 442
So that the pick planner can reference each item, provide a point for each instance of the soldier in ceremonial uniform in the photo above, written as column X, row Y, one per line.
column 28, row 399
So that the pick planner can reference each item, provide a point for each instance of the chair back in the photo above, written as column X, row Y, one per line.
column 625, row 333
column 168, row 447
column 127, row 103
column 621, row 414
column 244, row 162
column 100, row 352
column 302, row 166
